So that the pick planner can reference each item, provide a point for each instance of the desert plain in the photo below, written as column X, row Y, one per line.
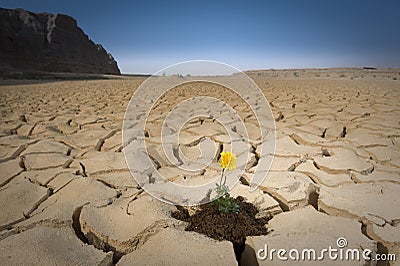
column 67, row 196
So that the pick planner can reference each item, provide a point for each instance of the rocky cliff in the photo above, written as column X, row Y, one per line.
column 49, row 43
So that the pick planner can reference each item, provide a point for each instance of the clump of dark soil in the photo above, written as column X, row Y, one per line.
column 234, row 227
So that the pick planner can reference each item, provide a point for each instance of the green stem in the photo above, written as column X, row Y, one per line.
column 222, row 175
column 223, row 171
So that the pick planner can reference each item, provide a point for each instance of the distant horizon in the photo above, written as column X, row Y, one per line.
column 276, row 68
column 371, row 68
column 145, row 37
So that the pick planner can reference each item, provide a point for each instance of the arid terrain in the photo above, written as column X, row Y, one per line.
column 67, row 196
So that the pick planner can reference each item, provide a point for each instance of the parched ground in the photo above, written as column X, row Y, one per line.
column 67, row 196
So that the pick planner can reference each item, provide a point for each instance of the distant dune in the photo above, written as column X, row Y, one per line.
column 339, row 72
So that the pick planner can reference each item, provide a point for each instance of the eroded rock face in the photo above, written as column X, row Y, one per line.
column 49, row 43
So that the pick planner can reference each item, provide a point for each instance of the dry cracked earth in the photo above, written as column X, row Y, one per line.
column 67, row 196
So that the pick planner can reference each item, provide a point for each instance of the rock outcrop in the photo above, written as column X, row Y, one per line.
column 42, row 42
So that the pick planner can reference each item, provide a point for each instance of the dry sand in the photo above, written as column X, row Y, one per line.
column 67, row 197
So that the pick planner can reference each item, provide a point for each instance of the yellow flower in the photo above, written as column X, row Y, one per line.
column 228, row 159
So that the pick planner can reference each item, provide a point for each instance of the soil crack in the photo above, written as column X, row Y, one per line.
column 76, row 225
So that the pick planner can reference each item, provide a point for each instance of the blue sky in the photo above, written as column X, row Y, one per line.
column 146, row 36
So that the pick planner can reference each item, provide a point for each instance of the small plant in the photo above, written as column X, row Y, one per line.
column 223, row 199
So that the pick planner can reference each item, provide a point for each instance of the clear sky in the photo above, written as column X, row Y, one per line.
column 145, row 36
